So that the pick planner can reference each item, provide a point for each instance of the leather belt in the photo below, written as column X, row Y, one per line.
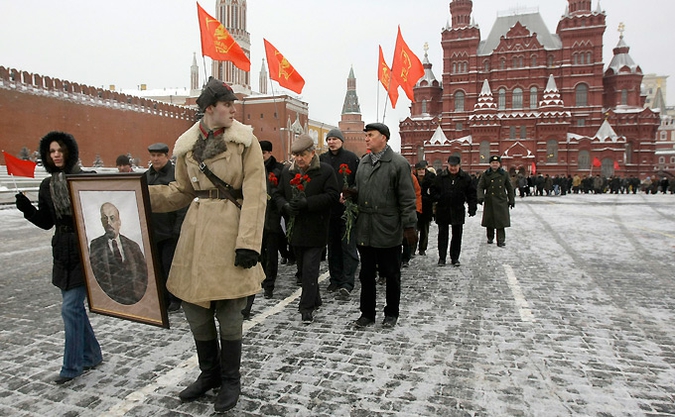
column 212, row 193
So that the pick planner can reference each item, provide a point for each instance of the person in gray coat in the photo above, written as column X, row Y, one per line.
column 386, row 202
column 496, row 191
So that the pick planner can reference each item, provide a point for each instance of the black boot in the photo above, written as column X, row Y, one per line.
column 230, row 359
column 209, row 363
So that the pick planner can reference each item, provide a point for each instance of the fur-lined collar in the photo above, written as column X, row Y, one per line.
column 237, row 133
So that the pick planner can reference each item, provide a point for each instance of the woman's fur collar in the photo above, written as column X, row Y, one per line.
column 237, row 133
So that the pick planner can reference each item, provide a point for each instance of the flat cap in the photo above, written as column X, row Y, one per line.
column 213, row 92
column 302, row 143
column 159, row 147
column 495, row 158
column 421, row 165
column 454, row 160
column 380, row 127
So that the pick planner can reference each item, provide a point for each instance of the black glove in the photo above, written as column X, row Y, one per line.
column 299, row 204
column 512, row 205
column 472, row 213
column 246, row 258
column 410, row 235
column 350, row 193
column 480, row 201
column 289, row 210
column 24, row 205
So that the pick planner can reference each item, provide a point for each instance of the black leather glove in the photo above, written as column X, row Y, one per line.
column 480, row 201
column 24, row 205
column 410, row 235
column 289, row 210
column 298, row 204
column 350, row 193
column 246, row 258
column 512, row 205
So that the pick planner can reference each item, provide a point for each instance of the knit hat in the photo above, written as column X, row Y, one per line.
column 335, row 133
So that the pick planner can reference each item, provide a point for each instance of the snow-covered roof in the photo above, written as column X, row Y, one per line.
column 606, row 133
column 532, row 21
column 438, row 138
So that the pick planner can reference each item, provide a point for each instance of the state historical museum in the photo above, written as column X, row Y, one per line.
column 542, row 101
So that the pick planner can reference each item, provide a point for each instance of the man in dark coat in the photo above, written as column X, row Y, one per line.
column 495, row 189
column 165, row 226
column 343, row 259
column 425, row 178
column 117, row 261
column 306, row 192
column 387, row 207
column 452, row 189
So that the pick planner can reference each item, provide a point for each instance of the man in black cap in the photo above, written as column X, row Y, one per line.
column 425, row 178
column 452, row 190
column 123, row 164
column 220, row 175
column 307, row 190
column 343, row 259
column 165, row 226
column 496, row 190
column 387, row 213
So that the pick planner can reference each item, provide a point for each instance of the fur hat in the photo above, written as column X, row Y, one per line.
column 66, row 140
column 302, row 143
column 213, row 92
column 380, row 127
column 122, row 160
column 266, row 145
column 335, row 133
column 495, row 158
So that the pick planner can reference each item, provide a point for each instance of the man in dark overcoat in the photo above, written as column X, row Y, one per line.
column 496, row 191
column 452, row 190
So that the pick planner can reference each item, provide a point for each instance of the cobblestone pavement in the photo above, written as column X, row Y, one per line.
column 575, row 316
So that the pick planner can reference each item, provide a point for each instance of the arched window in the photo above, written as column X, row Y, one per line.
column 534, row 98
column 624, row 97
column 628, row 154
column 517, row 98
column 550, row 61
column 424, row 106
column 575, row 59
column 552, row 151
column 502, row 63
column 486, row 65
column 534, row 61
column 485, row 152
column 501, row 99
column 589, row 57
column 459, row 101
column 581, row 95
column 584, row 160
column 454, row 68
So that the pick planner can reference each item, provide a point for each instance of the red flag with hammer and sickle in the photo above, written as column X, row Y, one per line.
column 217, row 42
column 406, row 68
column 384, row 75
column 281, row 70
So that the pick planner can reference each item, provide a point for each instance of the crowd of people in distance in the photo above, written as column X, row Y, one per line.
column 554, row 185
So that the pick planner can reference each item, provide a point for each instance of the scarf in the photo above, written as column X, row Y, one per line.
column 60, row 197
column 375, row 157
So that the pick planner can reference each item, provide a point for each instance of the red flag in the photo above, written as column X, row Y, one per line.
column 406, row 68
column 281, row 70
column 533, row 168
column 389, row 84
column 616, row 165
column 19, row 167
column 596, row 162
column 217, row 42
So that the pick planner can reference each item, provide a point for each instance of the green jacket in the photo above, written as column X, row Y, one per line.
column 495, row 189
column 386, row 200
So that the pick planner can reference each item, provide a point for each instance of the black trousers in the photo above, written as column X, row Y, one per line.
column 269, row 258
column 166, row 249
column 343, row 260
column 387, row 261
column 501, row 234
column 308, row 259
column 455, row 243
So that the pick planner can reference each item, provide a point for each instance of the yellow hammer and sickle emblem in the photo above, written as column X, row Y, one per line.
column 284, row 67
column 385, row 74
column 221, row 37
column 405, row 66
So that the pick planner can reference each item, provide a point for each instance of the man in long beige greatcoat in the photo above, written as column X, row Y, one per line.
column 215, row 266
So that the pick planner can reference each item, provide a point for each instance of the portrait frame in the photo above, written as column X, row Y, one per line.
column 120, row 289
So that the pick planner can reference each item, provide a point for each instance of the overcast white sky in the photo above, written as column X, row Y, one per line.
column 131, row 42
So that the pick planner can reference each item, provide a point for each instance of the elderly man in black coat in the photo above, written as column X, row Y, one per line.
column 452, row 190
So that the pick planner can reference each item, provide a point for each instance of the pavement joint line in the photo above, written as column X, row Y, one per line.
column 172, row 377
column 523, row 307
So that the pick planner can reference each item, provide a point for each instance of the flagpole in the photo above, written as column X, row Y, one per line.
column 16, row 187
column 377, row 105
column 274, row 100
column 206, row 77
column 386, row 100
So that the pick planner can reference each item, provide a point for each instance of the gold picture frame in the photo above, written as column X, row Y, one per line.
column 119, row 261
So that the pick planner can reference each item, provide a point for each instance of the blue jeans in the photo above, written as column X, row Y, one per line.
column 81, row 349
